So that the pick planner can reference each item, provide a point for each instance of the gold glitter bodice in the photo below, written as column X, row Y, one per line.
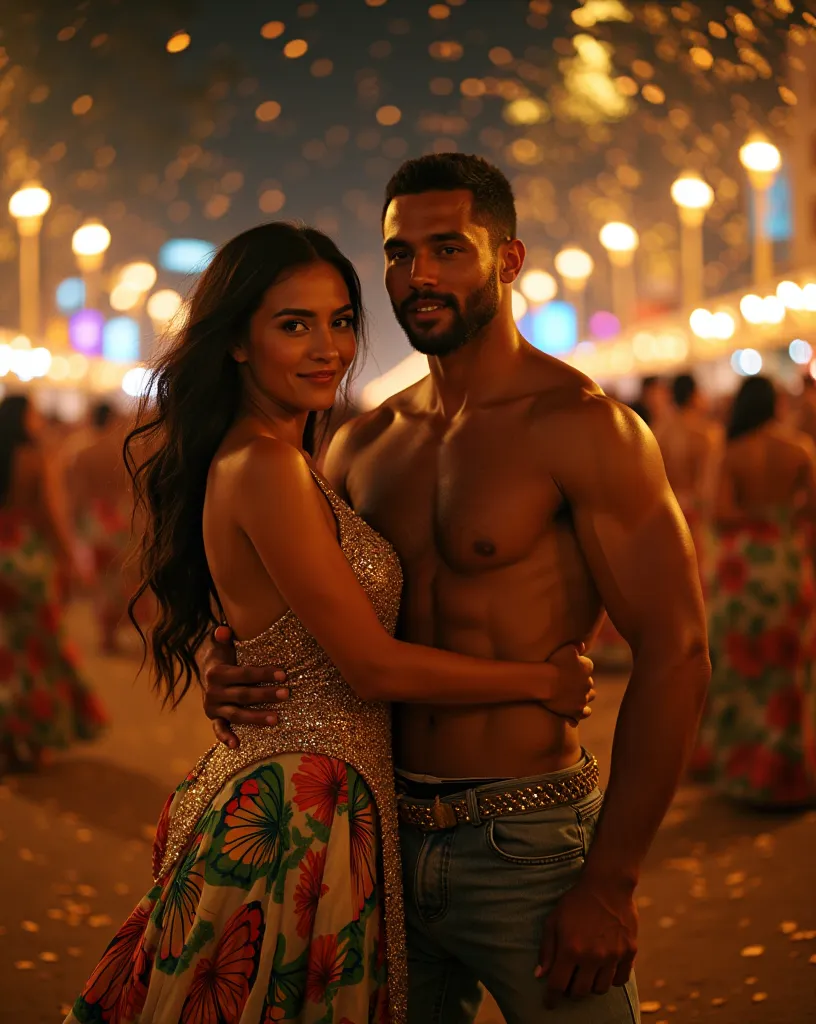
column 323, row 715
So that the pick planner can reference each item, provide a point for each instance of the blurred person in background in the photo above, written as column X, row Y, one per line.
column 103, row 506
column 44, row 702
column 756, row 739
column 653, row 402
column 691, row 446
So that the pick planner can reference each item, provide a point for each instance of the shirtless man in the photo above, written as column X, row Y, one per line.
column 692, row 447
column 521, row 501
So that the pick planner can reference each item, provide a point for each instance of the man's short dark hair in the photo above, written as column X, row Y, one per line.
column 648, row 382
column 684, row 388
column 101, row 413
column 493, row 203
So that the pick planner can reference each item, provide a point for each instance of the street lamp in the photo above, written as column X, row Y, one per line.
column 575, row 267
column 693, row 198
column 28, row 206
column 761, row 159
column 621, row 242
column 90, row 243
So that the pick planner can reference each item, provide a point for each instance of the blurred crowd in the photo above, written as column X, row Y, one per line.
column 743, row 470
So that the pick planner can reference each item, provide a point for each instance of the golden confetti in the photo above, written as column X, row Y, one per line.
column 759, row 997
column 49, row 958
column 752, row 951
column 178, row 42
column 99, row 920
column 802, row 936
column 86, row 890
column 56, row 914
column 84, row 835
column 788, row 927
column 29, row 926
column 650, row 1007
column 718, row 1001
column 24, row 965
column 74, row 951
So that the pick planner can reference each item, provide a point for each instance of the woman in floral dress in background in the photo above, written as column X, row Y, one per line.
column 756, row 741
column 45, row 704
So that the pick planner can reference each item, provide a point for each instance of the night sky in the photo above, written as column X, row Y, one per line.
column 171, row 144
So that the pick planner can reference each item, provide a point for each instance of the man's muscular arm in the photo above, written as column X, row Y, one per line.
column 641, row 557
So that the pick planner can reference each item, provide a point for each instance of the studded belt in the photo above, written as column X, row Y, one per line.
column 539, row 796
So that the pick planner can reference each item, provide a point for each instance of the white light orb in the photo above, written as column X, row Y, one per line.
column 723, row 326
column 691, row 192
column 573, row 264
column 747, row 361
column 760, row 155
column 163, row 305
column 136, row 381
column 790, row 295
column 59, row 368
column 31, row 201
column 39, row 362
column 752, row 309
column 124, row 297
column 538, row 286
column 139, row 276
column 701, row 323
column 773, row 310
column 77, row 366
column 618, row 237
column 92, row 239
column 800, row 351
column 809, row 297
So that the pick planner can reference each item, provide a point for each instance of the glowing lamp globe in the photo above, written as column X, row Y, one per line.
column 31, row 201
column 690, row 192
column 92, row 239
column 618, row 237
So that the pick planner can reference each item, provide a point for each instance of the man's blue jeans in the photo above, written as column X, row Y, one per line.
column 476, row 897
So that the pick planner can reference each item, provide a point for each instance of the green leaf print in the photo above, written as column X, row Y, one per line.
column 201, row 934
column 321, row 831
column 287, row 982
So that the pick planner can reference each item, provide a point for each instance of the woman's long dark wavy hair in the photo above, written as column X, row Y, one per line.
column 13, row 434
column 754, row 406
column 194, row 396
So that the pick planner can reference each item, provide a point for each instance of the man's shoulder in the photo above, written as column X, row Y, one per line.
column 369, row 425
column 568, row 400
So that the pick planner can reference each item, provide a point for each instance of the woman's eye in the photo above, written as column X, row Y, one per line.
column 292, row 326
column 344, row 322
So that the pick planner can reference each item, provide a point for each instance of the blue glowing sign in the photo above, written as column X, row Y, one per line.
column 186, row 255
column 70, row 294
column 779, row 210
column 120, row 340
column 555, row 328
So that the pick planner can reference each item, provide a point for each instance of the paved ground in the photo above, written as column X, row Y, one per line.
column 728, row 911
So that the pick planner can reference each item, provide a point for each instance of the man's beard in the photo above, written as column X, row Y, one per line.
column 481, row 307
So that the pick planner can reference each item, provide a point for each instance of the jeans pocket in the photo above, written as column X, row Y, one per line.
column 541, row 837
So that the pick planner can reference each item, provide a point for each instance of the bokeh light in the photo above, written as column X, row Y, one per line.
column 800, row 351
column 538, row 286
column 178, row 42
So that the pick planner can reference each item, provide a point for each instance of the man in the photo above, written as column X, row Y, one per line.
column 652, row 403
column 521, row 501
column 691, row 445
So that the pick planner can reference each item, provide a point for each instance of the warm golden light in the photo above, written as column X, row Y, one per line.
column 790, row 295
column 295, row 48
column 574, row 265
column 163, row 305
column 178, row 42
column 761, row 156
column 31, row 201
column 92, row 239
column 124, row 297
column 81, row 105
column 691, row 192
column 538, row 286
column 618, row 237
column 268, row 111
column 389, row 115
column 526, row 111
column 139, row 276
column 272, row 29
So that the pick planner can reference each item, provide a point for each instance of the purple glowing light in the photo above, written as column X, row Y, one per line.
column 603, row 325
column 85, row 330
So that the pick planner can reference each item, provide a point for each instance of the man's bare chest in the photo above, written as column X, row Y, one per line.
column 475, row 499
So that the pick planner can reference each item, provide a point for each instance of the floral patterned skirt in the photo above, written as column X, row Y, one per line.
column 44, row 702
column 756, row 740
column 274, row 915
column 105, row 527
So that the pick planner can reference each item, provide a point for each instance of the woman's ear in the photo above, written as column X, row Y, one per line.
column 238, row 352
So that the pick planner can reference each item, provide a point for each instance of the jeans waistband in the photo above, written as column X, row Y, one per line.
column 426, row 790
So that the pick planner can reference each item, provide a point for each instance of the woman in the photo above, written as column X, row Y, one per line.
column 277, row 893
column 756, row 738
column 44, row 703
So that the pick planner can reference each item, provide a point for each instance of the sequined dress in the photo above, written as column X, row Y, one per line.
column 278, row 894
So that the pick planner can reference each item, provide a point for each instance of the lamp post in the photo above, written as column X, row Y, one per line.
column 621, row 242
column 575, row 267
column 761, row 159
column 89, row 244
column 28, row 206
column 693, row 198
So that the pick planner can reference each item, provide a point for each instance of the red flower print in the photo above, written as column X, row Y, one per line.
column 780, row 777
column 762, row 532
column 741, row 760
column 6, row 664
column 732, row 573
column 780, row 646
column 11, row 535
column 49, row 617
column 252, row 820
column 36, row 654
column 9, row 597
column 702, row 760
column 309, row 890
column 362, row 839
column 40, row 705
column 162, row 829
column 325, row 967
column 742, row 652
column 322, row 784
column 181, row 896
column 784, row 708
column 90, row 709
column 118, row 986
column 221, row 984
